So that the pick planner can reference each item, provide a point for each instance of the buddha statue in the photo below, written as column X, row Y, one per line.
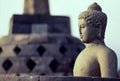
column 96, row 60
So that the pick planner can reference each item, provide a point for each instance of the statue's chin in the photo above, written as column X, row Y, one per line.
column 87, row 41
column 90, row 40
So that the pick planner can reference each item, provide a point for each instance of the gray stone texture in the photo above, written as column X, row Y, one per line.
column 38, row 44
column 36, row 7
column 51, row 78
column 61, row 49
column 27, row 24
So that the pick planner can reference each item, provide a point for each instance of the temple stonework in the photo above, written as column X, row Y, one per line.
column 36, row 7
column 38, row 43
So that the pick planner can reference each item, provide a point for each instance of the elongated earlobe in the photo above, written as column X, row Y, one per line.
column 100, row 32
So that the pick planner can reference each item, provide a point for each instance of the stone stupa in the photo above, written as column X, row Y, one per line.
column 39, row 43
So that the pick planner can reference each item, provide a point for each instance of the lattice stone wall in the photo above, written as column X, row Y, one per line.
column 39, row 45
column 39, row 58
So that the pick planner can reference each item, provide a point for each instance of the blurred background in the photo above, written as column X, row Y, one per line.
column 70, row 8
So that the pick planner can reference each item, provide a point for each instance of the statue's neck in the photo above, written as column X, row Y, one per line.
column 95, row 43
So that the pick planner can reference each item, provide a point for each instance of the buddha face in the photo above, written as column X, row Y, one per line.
column 87, row 33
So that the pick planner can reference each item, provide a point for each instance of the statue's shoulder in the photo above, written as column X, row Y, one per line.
column 106, row 52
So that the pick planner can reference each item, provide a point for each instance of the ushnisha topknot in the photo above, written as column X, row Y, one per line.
column 95, row 17
column 95, row 6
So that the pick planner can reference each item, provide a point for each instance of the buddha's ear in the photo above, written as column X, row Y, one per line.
column 99, row 31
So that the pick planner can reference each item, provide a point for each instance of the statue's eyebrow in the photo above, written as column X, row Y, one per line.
column 82, row 25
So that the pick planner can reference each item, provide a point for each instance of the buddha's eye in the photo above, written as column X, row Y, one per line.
column 82, row 26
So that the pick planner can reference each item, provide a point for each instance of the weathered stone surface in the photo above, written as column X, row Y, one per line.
column 38, row 44
column 51, row 78
column 27, row 24
column 96, row 59
column 28, row 64
column 41, row 50
column 40, row 38
column 10, row 51
column 37, row 65
column 106, row 79
column 36, row 7
column 31, row 52
column 6, row 40
column 9, row 77
column 60, row 78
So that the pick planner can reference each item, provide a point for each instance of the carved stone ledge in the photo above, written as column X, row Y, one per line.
column 52, row 78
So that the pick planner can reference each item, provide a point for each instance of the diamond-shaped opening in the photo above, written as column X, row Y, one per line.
column 41, row 50
column 1, row 50
column 17, row 50
column 7, row 64
column 54, row 65
column 30, row 64
column 42, row 74
column 62, row 49
column 17, row 74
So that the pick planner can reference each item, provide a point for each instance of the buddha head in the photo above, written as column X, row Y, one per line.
column 92, row 24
